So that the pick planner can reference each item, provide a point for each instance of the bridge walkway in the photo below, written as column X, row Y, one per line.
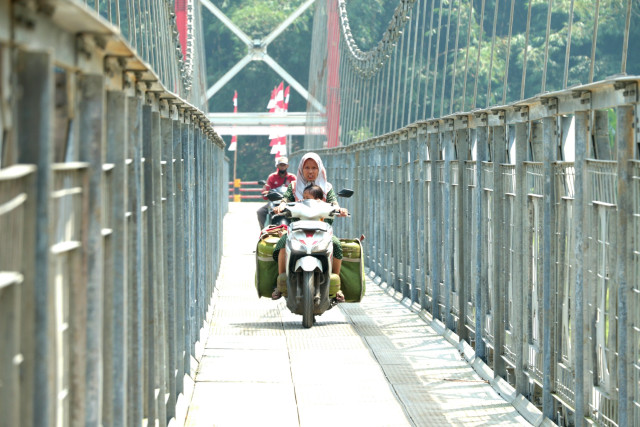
column 376, row 363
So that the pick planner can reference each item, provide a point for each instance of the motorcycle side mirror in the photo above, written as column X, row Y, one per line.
column 262, row 182
column 274, row 196
column 345, row 192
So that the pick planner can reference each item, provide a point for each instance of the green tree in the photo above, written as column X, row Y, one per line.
column 291, row 49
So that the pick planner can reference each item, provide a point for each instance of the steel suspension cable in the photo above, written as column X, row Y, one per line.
column 397, row 81
column 466, row 60
column 426, row 82
column 366, row 110
column 625, row 42
column 455, row 60
column 435, row 67
column 118, row 14
column 508, row 56
column 546, row 48
column 356, row 107
column 147, row 34
column 395, row 93
column 524, row 60
column 131, row 20
column 594, row 42
column 375, row 114
column 475, row 84
column 406, row 73
column 413, row 64
column 446, row 59
column 374, row 104
column 424, row 14
column 351, row 96
column 386, row 98
column 361, row 107
column 493, row 44
column 565, row 77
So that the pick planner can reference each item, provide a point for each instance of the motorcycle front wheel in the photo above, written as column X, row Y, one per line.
column 307, row 299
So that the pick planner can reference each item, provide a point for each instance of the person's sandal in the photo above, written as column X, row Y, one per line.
column 276, row 294
column 339, row 296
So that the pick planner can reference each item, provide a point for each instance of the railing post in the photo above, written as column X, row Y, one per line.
column 402, row 257
column 499, row 156
column 424, row 235
column 462, row 247
column 550, row 149
column 169, row 231
column 434, row 235
column 448, row 150
column 389, row 195
column 91, row 140
column 135, row 265
column 395, row 192
column 33, row 122
column 518, row 276
column 189, row 259
column 413, row 219
column 115, row 293
column 381, row 191
column 625, row 143
column 579, row 214
column 150, row 410
column 480, row 283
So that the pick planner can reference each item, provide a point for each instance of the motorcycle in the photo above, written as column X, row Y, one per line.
column 309, row 255
column 274, row 196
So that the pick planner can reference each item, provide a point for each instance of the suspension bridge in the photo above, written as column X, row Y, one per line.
column 494, row 151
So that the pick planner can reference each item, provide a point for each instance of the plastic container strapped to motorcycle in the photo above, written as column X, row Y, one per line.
column 352, row 276
column 266, row 267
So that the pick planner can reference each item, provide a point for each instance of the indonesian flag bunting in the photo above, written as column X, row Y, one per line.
column 234, row 138
column 279, row 103
column 280, row 98
column 283, row 136
column 278, row 108
column 280, row 137
column 271, row 106
column 286, row 99
column 279, row 150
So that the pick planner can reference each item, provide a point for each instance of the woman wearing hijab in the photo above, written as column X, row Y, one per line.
column 311, row 171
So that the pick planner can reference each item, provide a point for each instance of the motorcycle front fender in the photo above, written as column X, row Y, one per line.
column 308, row 263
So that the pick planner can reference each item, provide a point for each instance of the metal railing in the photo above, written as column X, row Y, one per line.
column 517, row 232
column 245, row 191
column 113, row 187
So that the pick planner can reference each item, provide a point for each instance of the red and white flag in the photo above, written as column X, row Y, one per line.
column 279, row 141
column 234, row 138
column 286, row 99
column 271, row 106
column 280, row 98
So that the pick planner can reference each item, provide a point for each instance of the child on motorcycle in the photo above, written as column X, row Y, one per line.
column 279, row 253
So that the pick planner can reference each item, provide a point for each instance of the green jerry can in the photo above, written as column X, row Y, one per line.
column 266, row 267
column 352, row 278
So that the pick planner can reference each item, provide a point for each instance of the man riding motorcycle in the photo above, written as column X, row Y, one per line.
column 277, row 179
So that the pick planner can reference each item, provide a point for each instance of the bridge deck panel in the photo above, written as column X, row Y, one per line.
column 376, row 363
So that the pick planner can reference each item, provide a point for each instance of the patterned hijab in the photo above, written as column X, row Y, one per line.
column 320, row 181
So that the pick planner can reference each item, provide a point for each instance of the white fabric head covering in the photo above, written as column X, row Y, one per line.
column 320, row 181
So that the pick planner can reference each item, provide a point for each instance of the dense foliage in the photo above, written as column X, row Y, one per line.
column 370, row 18
column 291, row 49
